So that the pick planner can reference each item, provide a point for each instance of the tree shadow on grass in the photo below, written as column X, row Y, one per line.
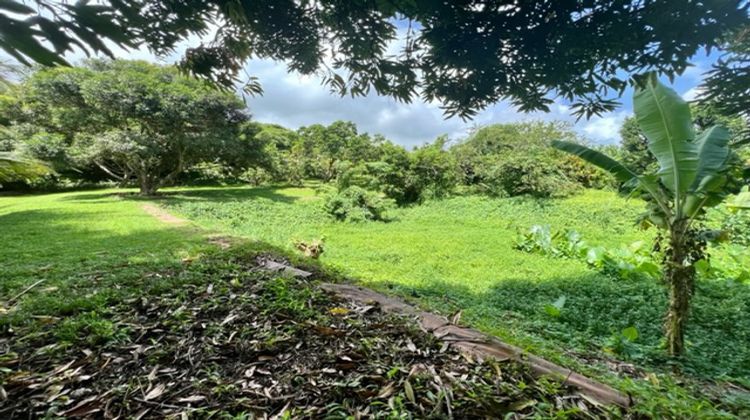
column 55, row 244
column 219, row 194
column 597, row 309
column 229, row 194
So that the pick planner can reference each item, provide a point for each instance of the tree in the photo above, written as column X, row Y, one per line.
column 135, row 120
column 515, row 159
column 463, row 54
column 635, row 154
column 726, row 86
column 327, row 146
column 432, row 170
column 13, row 167
column 694, row 174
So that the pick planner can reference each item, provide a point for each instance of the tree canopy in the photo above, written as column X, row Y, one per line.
column 132, row 119
column 465, row 54
column 727, row 86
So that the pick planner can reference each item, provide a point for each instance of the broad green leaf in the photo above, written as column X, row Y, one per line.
column 630, row 334
column 555, row 309
column 620, row 171
column 713, row 152
column 664, row 117
column 14, row 168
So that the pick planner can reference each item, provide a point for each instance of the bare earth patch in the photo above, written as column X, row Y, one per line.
column 163, row 215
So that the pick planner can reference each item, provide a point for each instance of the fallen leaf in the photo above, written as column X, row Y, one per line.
column 409, row 392
column 338, row 311
column 192, row 398
column 155, row 392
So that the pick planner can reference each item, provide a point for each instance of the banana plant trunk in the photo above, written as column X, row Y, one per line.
column 680, row 275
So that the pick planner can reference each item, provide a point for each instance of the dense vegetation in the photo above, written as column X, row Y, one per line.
column 209, row 326
column 99, row 262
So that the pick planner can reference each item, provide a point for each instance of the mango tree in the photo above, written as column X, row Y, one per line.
column 693, row 175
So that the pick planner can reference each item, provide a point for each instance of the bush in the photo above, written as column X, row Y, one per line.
column 523, row 174
column 737, row 226
column 207, row 173
column 517, row 159
column 355, row 204
column 256, row 176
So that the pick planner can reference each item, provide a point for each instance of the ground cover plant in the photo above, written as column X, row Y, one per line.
column 457, row 254
column 170, row 326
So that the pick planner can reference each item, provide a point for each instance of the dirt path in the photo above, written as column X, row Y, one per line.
column 222, row 241
column 163, row 215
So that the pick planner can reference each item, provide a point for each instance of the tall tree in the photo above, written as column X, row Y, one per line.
column 134, row 119
column 465, row 54
column 727, row 85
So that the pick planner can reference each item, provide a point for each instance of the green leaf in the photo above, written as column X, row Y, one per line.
column 409, row 391
column 620, row 171
column 16, row 7
column 555, row 309
column 664, row 117
column 630, row 334
column 713, row 153
column 741, row 201
column 14, row 168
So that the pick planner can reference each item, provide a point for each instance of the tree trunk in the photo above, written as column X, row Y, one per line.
column 148, row 185
column 679, row 276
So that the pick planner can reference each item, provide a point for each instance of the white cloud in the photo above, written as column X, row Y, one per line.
column 692, row 93
column 295, row 101
column 605, row 129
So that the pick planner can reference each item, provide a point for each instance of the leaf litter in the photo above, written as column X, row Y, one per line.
column 240, row 341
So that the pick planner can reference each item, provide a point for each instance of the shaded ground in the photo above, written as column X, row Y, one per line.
column 457, row 254
column 235, row 340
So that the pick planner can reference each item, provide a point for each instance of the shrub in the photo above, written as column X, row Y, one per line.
column 256, row 176
column 355, row 204
column 513, row 174
column 516, row 159
column 737, row 226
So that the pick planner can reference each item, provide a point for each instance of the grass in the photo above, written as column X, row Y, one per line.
column 457, row 254
column 83, row 250
column 93, row 249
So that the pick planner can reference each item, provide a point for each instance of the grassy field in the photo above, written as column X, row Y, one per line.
column 94, row 248
column 82, row 251
column 457, row 254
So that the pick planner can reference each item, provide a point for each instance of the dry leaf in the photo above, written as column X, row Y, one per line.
column 155, row 392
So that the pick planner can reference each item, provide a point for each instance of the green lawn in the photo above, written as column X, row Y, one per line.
column 87, row 248
column 94, row 248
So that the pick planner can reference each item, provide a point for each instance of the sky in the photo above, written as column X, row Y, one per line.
column 294, row 100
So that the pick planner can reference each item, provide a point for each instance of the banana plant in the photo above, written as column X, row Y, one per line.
column 693, row 175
